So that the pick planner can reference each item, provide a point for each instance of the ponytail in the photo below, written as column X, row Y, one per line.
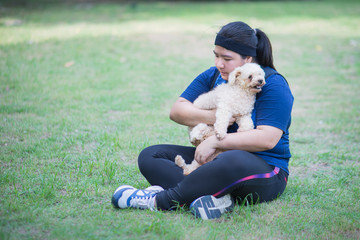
column 264, row 55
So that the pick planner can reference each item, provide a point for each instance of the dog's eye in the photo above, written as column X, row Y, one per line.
column 250, row 77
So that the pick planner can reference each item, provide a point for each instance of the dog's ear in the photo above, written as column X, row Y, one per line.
column 234, row 76
column 237, row 74
column 238, row 79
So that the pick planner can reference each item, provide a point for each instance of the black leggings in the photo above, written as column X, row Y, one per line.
column 242, row 174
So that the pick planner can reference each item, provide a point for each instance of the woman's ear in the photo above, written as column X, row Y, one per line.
column 248, row 59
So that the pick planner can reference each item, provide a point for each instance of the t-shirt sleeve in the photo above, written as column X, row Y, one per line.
column 201, row 84
column 274, row 104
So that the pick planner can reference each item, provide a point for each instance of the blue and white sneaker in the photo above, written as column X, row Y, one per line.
column 127, row 196
column 209, row 207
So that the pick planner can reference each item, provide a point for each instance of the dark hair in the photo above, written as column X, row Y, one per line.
column 244, row 34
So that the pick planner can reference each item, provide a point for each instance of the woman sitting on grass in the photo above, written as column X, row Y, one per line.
column 254, row 167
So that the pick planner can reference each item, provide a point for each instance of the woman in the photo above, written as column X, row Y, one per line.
column 254, row 167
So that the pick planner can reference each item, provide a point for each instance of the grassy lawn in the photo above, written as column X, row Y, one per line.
column 85, row 87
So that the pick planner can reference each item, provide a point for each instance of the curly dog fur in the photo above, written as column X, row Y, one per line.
column 236, row 98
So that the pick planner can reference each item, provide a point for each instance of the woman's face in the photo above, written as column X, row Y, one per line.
column 226, row 61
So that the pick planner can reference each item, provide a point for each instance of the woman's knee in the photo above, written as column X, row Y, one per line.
column 149, row 154
column 146, row 155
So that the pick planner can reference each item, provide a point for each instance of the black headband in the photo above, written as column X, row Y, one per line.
column 235, row 46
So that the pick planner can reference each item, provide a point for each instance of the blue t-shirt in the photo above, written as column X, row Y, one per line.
column 273, row 107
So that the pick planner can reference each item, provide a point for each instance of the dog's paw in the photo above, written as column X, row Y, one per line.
column 245, row 127
column 220, row 135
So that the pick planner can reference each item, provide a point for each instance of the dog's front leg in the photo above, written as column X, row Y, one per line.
column 200, row 132
column 245, row 123
column 223, row 117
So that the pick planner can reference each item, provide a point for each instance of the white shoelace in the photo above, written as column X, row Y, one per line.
column 147, row 201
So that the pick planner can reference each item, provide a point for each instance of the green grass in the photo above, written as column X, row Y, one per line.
column 85, row 87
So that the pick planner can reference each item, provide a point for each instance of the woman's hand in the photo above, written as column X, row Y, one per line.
column 260, row 139
column 206, row 149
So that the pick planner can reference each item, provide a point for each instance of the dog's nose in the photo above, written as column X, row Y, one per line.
column 260, row 81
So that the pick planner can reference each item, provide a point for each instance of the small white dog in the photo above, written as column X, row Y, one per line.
column 236, row 98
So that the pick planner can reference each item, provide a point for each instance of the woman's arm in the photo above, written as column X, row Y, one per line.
column 185, row 113
column 260, row 139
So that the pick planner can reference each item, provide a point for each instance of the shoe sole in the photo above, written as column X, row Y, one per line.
column 209, row 207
